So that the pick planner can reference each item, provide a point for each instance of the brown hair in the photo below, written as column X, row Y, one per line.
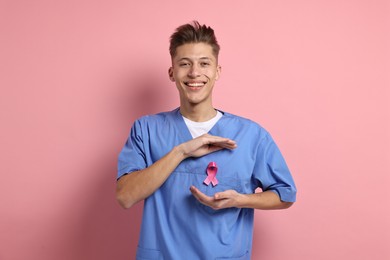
column 193, row 33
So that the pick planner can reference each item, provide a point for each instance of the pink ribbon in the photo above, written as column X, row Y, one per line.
column 211, row 174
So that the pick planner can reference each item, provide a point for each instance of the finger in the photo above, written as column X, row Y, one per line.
column 217, row 139
column 223, row 141
column 228, row 144
column 203, row 198
column 198, row 194
column 227, row 194
column 221, row 195
column 194, row 191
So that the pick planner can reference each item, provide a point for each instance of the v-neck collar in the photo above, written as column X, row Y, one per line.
column 185, row 132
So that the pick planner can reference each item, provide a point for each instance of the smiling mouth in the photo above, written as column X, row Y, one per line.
column 195, row 85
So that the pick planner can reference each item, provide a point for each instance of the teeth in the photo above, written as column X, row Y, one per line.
column 195, row 84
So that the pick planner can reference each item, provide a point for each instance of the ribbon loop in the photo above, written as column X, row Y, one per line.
column 211, row 174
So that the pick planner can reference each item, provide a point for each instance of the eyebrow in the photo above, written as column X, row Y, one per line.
column 201, row 58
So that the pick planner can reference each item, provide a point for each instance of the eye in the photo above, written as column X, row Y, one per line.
column 204, row 64
column 184, row 64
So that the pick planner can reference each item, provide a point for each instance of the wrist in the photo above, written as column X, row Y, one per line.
column 180, row 152
column 242, row 200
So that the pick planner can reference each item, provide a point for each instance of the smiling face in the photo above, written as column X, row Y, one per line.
column 195, row 70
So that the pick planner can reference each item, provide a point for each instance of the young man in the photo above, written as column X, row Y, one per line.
column 197, row 168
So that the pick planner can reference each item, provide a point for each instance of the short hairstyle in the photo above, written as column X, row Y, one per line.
column 193, row 33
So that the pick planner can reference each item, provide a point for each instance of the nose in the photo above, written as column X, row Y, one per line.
column 194, row 71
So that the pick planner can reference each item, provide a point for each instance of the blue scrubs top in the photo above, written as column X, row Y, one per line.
column 174, row 224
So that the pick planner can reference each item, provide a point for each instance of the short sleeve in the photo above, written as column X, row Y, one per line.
column 271, row 171
column 132, row 156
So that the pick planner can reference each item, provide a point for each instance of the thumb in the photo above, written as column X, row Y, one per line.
column 221, row 195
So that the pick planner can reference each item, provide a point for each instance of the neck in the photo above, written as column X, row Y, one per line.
column 198, row 113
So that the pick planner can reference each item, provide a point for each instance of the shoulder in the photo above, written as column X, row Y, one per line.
column 245, row 123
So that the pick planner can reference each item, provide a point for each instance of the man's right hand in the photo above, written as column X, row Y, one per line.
column 206, row 144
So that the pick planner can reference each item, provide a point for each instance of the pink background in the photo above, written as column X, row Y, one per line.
column 75, row 74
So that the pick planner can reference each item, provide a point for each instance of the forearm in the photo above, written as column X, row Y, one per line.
column 138, row 185
column 266, row 200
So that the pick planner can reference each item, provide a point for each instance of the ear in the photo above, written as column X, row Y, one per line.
column 170, row 73
column 219, row 70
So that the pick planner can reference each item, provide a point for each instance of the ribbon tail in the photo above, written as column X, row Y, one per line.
column 211, row 174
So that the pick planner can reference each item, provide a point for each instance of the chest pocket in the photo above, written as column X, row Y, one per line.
column 224, row 183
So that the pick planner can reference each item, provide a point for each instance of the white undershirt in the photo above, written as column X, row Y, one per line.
column 200, row 128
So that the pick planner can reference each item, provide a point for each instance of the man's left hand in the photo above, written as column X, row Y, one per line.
column 220, row 200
